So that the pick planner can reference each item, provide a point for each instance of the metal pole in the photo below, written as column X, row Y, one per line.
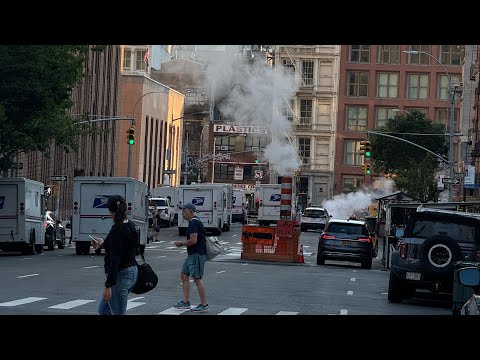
column 451, row 152
column 185, row 161
column 58, row 200
column 213, row 159
column 129, row 168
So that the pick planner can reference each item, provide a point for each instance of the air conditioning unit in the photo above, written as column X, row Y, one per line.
column 224, row 147
column 254, row 148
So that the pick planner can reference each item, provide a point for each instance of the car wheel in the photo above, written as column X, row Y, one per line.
column 395, row 289
column 51, row 244
column 61, row 244
column 438, row 254
column 320, row 259
column 78, row 249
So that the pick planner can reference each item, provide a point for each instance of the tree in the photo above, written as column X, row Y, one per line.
column 35, row 88
column 413, row 169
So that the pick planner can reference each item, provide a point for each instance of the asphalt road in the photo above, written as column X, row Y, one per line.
column 60, row 282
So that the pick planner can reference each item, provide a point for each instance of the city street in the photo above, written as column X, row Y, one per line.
column 60, row 282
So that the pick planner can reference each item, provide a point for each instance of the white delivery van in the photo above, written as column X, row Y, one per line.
column 90, row 212
column 164, row 208
column 169, row 192
column 213, row 203
column 269, row 196
column 239, row 206
column 22, row 215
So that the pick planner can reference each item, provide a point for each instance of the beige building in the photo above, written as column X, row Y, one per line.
column 313, row 112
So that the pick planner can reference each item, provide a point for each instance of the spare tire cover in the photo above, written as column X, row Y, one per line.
column 439, row 253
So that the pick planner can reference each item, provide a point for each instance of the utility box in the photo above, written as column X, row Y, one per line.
column 90, row 211
column 22, row 215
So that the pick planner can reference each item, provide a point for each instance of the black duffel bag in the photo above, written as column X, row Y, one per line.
column 147, row 278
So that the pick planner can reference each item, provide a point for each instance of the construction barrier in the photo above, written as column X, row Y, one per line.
column 268, row 243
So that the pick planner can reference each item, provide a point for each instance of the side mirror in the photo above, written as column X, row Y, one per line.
column 469, row 276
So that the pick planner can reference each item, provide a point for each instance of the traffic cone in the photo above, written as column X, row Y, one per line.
column 301, row 259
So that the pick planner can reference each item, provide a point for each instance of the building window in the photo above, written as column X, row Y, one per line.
column 255, row 143
column 249, row 173
column 352, row 183
column 304, row 149
column 382, row 114
column 352, row 153
column 288, row 109
column 356, row 118
column 357, row 83
column 387, row 85
column 224, row 171
column 195, row 96
column 420, row 59
column 442, row 116
column 140, row 64
column 442, row 88
column 288, row 67
column 305, row 112
column 417, row 86
column 360, row 53
column 389, row 54
column 451, row 54
column 307, row 72
column 225, row 143
column 127, row 59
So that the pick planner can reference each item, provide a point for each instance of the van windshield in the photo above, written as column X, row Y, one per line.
column 158, row 202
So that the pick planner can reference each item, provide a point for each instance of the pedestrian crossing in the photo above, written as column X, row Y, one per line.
column 90, row 306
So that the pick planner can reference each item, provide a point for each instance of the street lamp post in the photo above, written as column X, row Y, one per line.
column 200, row 165
column 451, row 122
column 186, row 146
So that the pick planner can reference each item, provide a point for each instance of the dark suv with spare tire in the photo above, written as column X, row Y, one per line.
column 433, row 241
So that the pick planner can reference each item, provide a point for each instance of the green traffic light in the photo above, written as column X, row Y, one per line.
column 131, row 141
column 367, row 154
column 368, row 171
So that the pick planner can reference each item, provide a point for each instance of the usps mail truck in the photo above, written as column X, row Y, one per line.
column 213, row 203
column 90, row 211
column 239, row 206
column 22, row 215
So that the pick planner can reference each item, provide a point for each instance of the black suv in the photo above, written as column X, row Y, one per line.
column 433, row 241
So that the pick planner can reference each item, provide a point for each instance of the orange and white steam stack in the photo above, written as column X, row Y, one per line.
column 286, row 198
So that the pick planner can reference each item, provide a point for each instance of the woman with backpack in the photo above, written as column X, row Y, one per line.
column 120, row 264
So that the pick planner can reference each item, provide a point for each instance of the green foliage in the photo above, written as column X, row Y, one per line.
column 35, row 94
column 414, row 168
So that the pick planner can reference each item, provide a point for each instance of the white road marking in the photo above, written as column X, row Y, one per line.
column 24, row 276
column 171, row 234
column 353, row 279
column 343, row 311
column 91, row 267
column 224, row 242
column 349, row 292
column 22, row 301
column 233, row 311
column 234, row 235
column 131, row 304
column 306, row 246
column 239, row 243
column 26, row 258
column 171, row 247
column 161, row 256
column 136, row 298
column 70, row 304
column 384, row 293
column 287, row 313
column 245, row 264
column 173, row 311
column 219, row 272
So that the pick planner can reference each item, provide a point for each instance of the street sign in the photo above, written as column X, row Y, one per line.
column 451, row 181
column 258, row 174
column 59, row 178
column 17, row 166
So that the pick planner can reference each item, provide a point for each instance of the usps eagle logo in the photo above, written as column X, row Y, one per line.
column 198, row 201
column 275, row 197
column 101, row 201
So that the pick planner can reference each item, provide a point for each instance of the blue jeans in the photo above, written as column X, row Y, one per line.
column 118, row 303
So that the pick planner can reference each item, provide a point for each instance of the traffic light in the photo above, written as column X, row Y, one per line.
column 368, row 149
column 131, row 136
column 367, row 169
column 364, row 168
column 256, row 158
column 362, row 147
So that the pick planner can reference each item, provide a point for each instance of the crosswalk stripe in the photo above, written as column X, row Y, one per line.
column 70, row 304
column 343, row 311
column 22, row 301
column 287, row 313
column 233, row 311
column 173, row 311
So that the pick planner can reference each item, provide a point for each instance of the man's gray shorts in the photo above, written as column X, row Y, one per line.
column 194, row 265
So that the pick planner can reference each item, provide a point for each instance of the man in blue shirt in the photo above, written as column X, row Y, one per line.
column 194, row 264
